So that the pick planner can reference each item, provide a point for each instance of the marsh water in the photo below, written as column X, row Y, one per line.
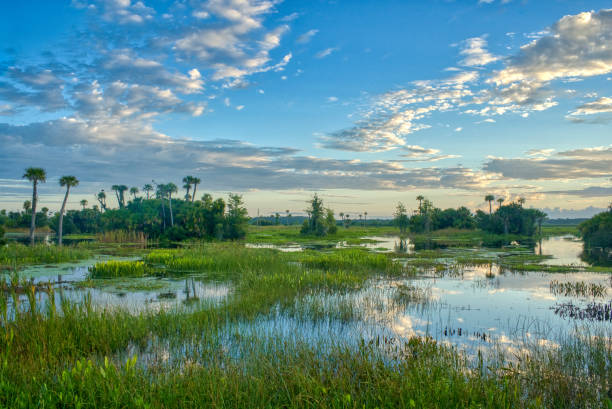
column 469, row 307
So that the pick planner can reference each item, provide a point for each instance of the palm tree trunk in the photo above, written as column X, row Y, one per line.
column 61, row 217
column 163, row 214
column 170, row 205
column 194, row 191
column 490, row 209
column 33, row 222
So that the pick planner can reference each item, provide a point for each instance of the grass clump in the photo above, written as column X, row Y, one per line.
column 115, row 269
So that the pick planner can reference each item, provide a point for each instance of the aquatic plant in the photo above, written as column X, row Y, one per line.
column 578, row 288
column 114, row 269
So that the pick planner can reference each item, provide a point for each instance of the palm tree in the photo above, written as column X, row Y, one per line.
column 360, row 216
column 365, row 218
column 287, row 213
column 102, row 199
column 120, row 193
column 188, row 181
column 195, row 181
column 148, row 189
column 521, row 201
column 84, row 203
column 171, row 188
column 68, row 181
column 500, row 201
column 489, row 198
column 420, row 198
column 134, row 191
column 34, row 175
column 27, row 205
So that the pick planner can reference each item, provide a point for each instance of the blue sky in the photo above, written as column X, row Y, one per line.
column 368, row 102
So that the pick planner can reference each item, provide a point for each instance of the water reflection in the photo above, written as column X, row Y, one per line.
column 565, row 250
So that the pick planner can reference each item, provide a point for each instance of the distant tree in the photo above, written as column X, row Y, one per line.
column 287, row 217
column 489, row 198
column 27, row 205
column 318, row 218
column 84, row 203
column 134, row 191
column 36, row 176
column 120, row 193
column 101, row 197
column 237, row 217
column 276, row 218
column 68, row 182
column 400, row 217
column 195, row 181
column 500, row 200
column 147, row 189
column 187, row 182
column 420, row 198
column 365, row 218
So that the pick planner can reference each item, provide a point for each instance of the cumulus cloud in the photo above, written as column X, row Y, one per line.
column 600, row 106
column 576, row 46
column 118, row 11
column 475, row 52
column 394, row 115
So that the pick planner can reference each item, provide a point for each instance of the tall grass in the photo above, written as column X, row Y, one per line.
column 122, row 237
column 76, row 358
column 116, row 269
column 19, row 254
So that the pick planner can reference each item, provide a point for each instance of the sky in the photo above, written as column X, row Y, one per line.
column 367, row 103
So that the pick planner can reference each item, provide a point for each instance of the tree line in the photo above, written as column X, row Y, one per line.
column 512, row 218
column 158, row 214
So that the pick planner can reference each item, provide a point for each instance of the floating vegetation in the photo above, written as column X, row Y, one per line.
column 578, row 289
column 115, row 269
column 592, row 312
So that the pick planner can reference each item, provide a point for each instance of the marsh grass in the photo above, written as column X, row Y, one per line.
column 16, row 254
column 116, row 269
column 70, row 359
column 60, row 353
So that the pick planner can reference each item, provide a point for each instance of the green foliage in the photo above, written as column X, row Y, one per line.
column 597, row 231
column 321, row 221
column 114, row 269
column 200, row 219
column 400, row 218
column 512, row 218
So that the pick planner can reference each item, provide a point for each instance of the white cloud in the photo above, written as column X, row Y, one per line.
column 475, row 53
column 307, row 36
column 577, row 46
column 326, row 52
